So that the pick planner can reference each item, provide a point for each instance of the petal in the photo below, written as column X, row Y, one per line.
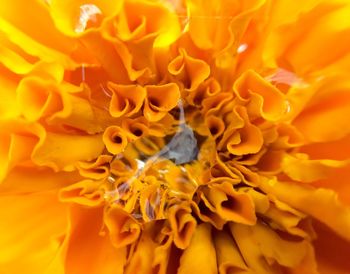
column 231, row 205
column 321, row 204
column 160, row 100
column 329, row 106
column 123, row 229
column 29, row 232
column 63, row 151
column 229, row 257
column 115, row 139
column 23, row 179
column 78, row 253
column 183, row 224
column 49, row 45
column 72, row 18
column 200, row 249
column 142, row 259
column 331, row 251
column 301, row 169
column 126, row 100
column 188, row 70
column 85, row 193
column 261, row 97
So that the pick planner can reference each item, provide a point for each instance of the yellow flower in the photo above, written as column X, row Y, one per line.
column 179, row 136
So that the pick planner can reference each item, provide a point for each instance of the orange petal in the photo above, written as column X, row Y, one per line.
column 115, row 139
column 322, row 204
column 160, row 100
column 48, row 44
column 328, row 106
column 188, row 70
column 200, row 249
column 63, row 151
column 126, row 100
column 39, row 244
column 331, row 251
column 83, row 239
column 261, row 97
column 231, row 205
column 123, row 229
column 182, row 223
column 74, row 18
column 229, row 257
column 299, row 168
column 85, row 193
column 36, row 179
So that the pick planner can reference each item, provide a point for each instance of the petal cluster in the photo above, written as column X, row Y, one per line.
column 187, row 136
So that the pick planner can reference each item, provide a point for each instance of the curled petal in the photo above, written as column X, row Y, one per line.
column 126, row 100
column 38, row 98
column 18, row 141
column 160, row 100
column 123, row 229
column 97, row 169
column 207, row 32
column 182, row 223
column 261, row 97
column 231, row 205
column 135, row 128
column 188, row 70
column 85, row 193
column 215, row 125
column 136, row 25
column 207, row 212
column 208, row 88
column 115, row 139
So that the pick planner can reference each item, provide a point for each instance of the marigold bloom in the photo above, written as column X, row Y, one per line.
column 178, row 136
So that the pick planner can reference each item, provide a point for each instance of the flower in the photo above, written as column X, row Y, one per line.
column 148, row 136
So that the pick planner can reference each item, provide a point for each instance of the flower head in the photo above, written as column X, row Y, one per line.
column 148, row 136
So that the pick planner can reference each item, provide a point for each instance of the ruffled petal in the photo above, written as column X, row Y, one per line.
column 322, row 204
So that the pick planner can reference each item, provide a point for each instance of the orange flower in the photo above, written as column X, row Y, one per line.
column 187, row 136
